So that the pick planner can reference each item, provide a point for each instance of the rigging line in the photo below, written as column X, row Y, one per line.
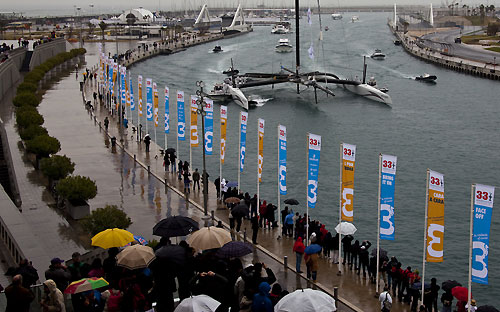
column 345, row 41
column 322, row 41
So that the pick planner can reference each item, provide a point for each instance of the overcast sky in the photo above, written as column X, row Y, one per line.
column 55, row 7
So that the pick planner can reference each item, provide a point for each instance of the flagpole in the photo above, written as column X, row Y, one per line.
column 279, row 195
column 220, row 157
column 469, row 295
column 239, row 163
column 340, row 213
column 425, row 233
column 258, row 182
column 377, row 291
column 307, row 191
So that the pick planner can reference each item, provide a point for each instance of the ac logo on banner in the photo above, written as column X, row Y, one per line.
column 482, row 213
column 223, row 129
column 435, row 217
column 387, row 185
column 348, row 156
column 314, row 142
column 194, row 121
column 209, row 126
column 282, row 159
column 261, row 124
column 243, row 138
column 181, row 122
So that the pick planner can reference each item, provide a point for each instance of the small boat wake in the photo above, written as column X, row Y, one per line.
column 257, row 101
column 213, row 71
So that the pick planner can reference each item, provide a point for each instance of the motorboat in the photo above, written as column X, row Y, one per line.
column 336, row 16
column 217, row 49
column 426, row 78
column 281, row 28
column 397, row 42
column 219, row 93
column 377, row 55
column 284, row 46
column 326, row 28
column 355, row 18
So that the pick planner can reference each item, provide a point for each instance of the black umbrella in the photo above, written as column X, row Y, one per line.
column 487, row 308
column 291, row 201
column 383, row 253
column 175, row 226
column 234, row 249
column 449, row 284
column 240, row 210
column 173, row 253
column 170, row 150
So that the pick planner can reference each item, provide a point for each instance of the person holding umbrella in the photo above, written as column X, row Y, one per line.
column 311, row 259
column 166, row 161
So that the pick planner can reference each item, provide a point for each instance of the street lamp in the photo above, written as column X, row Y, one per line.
column 201, row 111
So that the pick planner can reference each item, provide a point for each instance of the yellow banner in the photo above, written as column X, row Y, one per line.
column 435, row 217
column 261, row 147
column 348, row 160
column 155, row 104
column 223, row 129
column 139, row 81
column 194, row 121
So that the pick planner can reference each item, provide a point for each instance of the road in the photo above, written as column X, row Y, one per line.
column 446, row 39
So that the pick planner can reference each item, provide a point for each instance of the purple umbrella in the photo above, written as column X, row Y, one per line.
column 234, row 249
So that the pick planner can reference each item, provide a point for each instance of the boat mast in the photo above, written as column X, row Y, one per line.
column 297, row 41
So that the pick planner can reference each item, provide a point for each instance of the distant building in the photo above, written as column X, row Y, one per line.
column 141, row 16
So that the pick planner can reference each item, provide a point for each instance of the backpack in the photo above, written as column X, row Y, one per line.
column 114, row 301
column 387, row 304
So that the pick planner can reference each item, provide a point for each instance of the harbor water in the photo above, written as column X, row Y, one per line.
column 450, row 127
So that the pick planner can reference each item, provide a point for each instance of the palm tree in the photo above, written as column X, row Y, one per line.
column 103, row 27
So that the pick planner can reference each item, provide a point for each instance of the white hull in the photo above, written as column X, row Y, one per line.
column 280, row 31
column 238, row 97
column 370, row 93
column 336, row 16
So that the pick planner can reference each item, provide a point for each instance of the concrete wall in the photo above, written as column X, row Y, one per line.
column 9, row 76
column 47, row 50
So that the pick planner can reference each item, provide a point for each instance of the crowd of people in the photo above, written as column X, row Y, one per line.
column 236, row 285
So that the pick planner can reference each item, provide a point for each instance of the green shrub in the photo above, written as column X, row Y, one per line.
column 77, row 189
column 34, row 77
column 26, row 117
column 31, row 131
column 43, row 68
column 108, row 217
column 57, row 167
column 43, row 146
column 27, row 87
column 26, row 99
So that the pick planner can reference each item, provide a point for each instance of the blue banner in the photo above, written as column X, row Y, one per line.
column 110, row 75
column 167, row 110
column 181, row 119
column 149, row 99
column 387, row 185
column 483, row 209
column 282, row 159
column 209, row 126
column 313, row 169
column 132, row 103
column 123, row 95
column 243, row 138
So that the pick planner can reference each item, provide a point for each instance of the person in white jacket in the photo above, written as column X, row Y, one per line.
column 385, row 300
column 53, row 300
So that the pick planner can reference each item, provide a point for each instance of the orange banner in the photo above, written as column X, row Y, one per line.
column 435, row 217
column 261, row 147
column 348, row 160
column 139, row 81
column 155, row 104
column 223, row 129
column 194, row 121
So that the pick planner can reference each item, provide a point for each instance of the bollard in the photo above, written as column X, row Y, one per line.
column 336, row 295
column 135, row 157
column 245, row 235
column 213, row 215
column 285, row 262
column 149, row 169
column 100, row 126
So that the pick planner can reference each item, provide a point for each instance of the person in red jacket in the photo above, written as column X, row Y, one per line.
column 299, row 248
column 262, row 213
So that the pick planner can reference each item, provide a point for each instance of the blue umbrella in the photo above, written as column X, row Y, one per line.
column 418, row 286
column 312, row 249
column 234, row 249
column 232, row 184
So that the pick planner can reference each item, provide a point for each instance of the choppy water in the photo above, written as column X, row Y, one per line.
column 450, row 127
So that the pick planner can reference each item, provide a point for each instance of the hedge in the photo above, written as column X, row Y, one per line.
column 26, row 118
column 31, row 131
column 27, row 87
column 57, row 167
column 26, row 99
column 43, row 146
column 77, row 189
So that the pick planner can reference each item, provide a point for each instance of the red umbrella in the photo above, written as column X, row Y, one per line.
column 461, row 293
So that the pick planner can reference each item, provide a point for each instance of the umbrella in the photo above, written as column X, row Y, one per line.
column 346, row 228
column 170, row 150
column 418, row 286
column 312, row 249
column 449, row 284
column 461, row 293
column 234, row 249
column 291, row 201
column 383, row 253
column 85, row 284
column 209, row 238
column 306, row 300
column 112, row 238
column 232, row 200
column 200, row 303
column 487, row 308
column 232, row 184
column 173, row 253
column 175, row 226
column 135, row 257
column 240, row 210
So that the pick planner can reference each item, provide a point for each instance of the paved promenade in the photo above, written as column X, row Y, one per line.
column 352, row 288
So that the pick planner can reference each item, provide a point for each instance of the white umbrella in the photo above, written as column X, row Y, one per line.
column 346, row 228
column 200, row 303
column 306, row 300
column 209, row 238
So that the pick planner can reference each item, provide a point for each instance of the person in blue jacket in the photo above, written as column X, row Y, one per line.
column 261, row 301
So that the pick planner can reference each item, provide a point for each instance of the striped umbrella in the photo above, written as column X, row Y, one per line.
column 85, row 285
